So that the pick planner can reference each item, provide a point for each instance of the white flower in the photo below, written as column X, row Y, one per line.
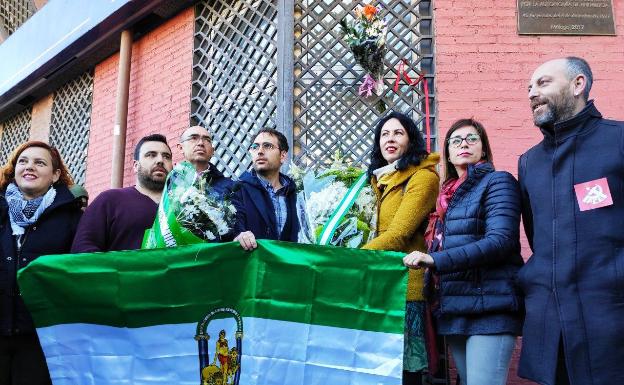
column 222, row 227
column 201, row 213
column 209, row 235
column 365, row 203
column 322, row 204
column 379, row 25
column 323, row 193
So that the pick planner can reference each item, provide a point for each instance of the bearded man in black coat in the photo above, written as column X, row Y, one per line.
column 572, row 184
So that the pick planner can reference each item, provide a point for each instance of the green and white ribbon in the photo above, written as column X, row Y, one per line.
column 347, row 202
column 166, row 230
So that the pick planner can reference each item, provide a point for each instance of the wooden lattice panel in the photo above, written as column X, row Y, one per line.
column 234, row 75
column 329, row 115
column 283, row 63
column 71, row 120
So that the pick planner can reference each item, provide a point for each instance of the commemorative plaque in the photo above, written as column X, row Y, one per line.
column 565, row 17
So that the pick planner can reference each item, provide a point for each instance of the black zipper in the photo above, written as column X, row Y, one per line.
column 554, row 219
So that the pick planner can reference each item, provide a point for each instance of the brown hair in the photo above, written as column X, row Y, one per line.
column 8, row 170
column 449, row 169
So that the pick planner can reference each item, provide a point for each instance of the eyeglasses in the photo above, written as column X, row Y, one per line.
column 266, row 146
column 197, row 138
column 471, row 140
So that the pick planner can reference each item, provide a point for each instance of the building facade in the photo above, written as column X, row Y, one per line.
column 236, row 66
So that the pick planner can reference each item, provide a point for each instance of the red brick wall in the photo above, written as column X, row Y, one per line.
column 483, row 67
column 159, row 101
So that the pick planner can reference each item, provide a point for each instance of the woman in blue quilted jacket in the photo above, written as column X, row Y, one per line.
column 473, row 258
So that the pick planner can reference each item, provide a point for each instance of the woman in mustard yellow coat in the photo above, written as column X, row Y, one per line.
column 405, row 180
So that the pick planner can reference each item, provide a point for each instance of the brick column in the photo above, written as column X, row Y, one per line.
column 41, row 119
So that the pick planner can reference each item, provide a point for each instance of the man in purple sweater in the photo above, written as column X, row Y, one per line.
column 118, row 218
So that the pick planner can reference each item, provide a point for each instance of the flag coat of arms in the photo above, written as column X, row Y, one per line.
column 209, row 314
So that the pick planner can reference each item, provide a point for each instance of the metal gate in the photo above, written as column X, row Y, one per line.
column 283, row 64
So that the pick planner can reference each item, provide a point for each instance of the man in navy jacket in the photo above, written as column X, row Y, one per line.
column 265, row 199
column 572, row 184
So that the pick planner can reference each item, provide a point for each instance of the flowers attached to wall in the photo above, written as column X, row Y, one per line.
column 366, row 37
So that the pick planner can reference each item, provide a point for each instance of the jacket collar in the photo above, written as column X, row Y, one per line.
column 260, row 197
column 250, row 177
column 63, row 197
column 476, row 172
column 211, row 173
column 401, row 176
column 572, row 126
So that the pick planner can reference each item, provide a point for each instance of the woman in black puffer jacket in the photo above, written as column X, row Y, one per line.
column 38, row 216
column 474, row 256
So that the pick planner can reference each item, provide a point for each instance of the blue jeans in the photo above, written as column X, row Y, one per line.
column 482, row 359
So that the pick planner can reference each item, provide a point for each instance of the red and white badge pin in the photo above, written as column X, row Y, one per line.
column 593, row 194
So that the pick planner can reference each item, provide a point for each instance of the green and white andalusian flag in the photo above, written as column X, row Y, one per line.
column 214, row 314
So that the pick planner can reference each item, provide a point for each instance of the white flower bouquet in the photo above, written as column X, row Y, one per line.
column 190, row 211
column 335, row 206
column 201, row 212
column 366, row 37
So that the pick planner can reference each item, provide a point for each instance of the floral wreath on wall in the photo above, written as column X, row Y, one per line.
column 366, row 38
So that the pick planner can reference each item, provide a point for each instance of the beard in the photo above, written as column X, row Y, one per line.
column 557, row 109
column 146, row 180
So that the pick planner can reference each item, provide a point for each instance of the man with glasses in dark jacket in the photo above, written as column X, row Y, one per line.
column 266, row 200
column 197, row 147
